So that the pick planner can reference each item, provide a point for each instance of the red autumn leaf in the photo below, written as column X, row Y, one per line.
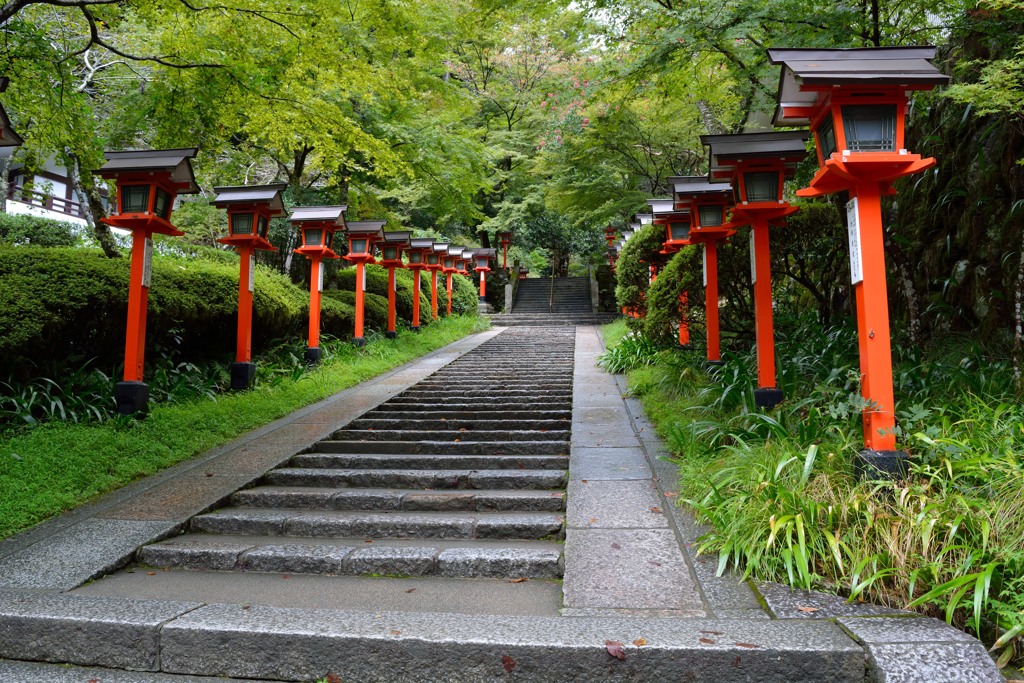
column 747, row 645
column 615, row 649
column 286, row 576
column 583, row 481
column 616, row 546
column 396, row 633
column 519, row 580
column 508, row 663
column 707, row 641
column 656, row 510
column 592, row 520
column 410, row 590
column 671, row 494
column 640, row 642
column 150, row 573
column 463, row 429
column 333, row 678
column 457, row 440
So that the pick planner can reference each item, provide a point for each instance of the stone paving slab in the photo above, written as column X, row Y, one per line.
column 297, row 645
column 31, row 672
column 101, row 631
column 946, row 662
column 608, row 463
column 599, row 504
column 786, row 603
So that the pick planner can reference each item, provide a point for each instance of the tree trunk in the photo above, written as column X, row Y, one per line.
column 92, row 207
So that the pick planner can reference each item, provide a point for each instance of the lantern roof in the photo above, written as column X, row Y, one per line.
column 485, row 252
column 318, row 214
column 8, row 138
column 397, row 236
column 177, row 162
column 809, row 73
column 728, row 151
column 697, row 185
column 252, row 194
column 441, row 247
column 421, row 243
column 660, row 206
column 456, row 251
column 365, row 228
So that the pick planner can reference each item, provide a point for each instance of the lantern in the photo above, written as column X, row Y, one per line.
column 317, row 225
column 362, row 237
column 147, row 183
column 757, row 165
column 250, row 209
column 855, row 101
column 450, row 263
column 506, row 239
column 434, row 265
column 395, row 242
column 418, row 250
column 482, row 258
column 8, row 138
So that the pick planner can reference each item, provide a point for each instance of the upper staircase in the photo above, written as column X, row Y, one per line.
column 562, row 301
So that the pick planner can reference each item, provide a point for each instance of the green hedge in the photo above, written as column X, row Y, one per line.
column 464, row 300
column 683, row 273
column 632, row 270
column 41, row 232
column 63, row 306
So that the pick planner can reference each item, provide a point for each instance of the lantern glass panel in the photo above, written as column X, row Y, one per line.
column 390, row 253
column 241, row 224
column 827, row 137
column 762, row 186
column 134, row 198
column 449, row 263
column 162, row 205
column 711, row 216
column 359, row 246
column 329, row 239
column 432, row 259
column 481, row 262
column 415, row 257
column 680, row 230
column 264, row 226
column 870, row 127
column 314, row 237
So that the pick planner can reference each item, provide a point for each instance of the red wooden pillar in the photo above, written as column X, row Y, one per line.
column 357, row 336
column 392, row 304
column 243, row 342
column 433, row 294
column 711, row 300
column 138, row 300
column 764, row 320
column 416, row 299
column 313, row 336
column 684, row 324
column 449, row 289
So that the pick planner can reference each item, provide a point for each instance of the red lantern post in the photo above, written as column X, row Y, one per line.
column 418, row 250
column 317, row 224
column 506, row 239
column 250, row 209
column 147, row 183
column 394, row 244
column 362, row 236
column 707, row 204
column 855, row 101
column 758, row 164
column 434, row 266
column 482, row 257
column 449, row 266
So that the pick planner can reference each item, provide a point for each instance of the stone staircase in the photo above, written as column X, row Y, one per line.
column 462, row 475
column 571, row 304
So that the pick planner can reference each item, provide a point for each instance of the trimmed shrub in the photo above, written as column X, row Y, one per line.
column 23, row 229
column 633, row 272
column 375, row 309
column 681, row 274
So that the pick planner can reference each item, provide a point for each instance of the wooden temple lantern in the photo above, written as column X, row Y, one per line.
column 505, row 237
column 148, row 181
column 316, row 225
column 610, row 233
column 462, row 263
column 482, row 259
column 362, row 238
column 856, row 102
column 250, row 209
column 677, row 235
column 8, row 138
column 707, row 204
column 757, row 165
column 391, row 249
column 417, row 252
column 435, row 266
column 450, row 266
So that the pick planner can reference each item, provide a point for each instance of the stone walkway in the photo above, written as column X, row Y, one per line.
column 475, row 597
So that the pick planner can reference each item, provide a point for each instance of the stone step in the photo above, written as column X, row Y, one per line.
column 481, row 480
column 354, row 557
column 457, row 423
column 453, row 435
column 386, row 413
column 452, row 447
column 452, row 409
column 343, row 523
column 443, row 394
column 426, row 462
column 435, row 500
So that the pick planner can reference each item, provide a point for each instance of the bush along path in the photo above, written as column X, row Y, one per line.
column 310, row 579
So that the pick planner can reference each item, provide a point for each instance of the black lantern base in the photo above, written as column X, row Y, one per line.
column 415, row 328
column 131, row 398
column 872, row 464
column 242, row 374
column 684, row 347
column 483, row 299
column 767, row 397
column 313, row 355
column 714, row 363
column 359, row 341
column 390, row 335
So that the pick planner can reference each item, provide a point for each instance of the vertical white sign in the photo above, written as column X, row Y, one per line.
column 753, row 259
column 147, row 262
column 705, row 265
column 252, row 272
column 364, row 278
column 853, row 232
column 320, row 282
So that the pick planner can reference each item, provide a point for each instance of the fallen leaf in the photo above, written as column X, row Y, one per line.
column 246, row 606
column 333, row 678
column 463, row 429
column 592, row 520
column 616, row 546
column 519, row 580
column 93, row 680
column 508, row 663
column 458, row 440
column 656, row 564
column 286, row 576
column 615, row 649
column 640, row 642
column 707, row 641
column 410, row 590
column 369, row 540
column 671, row 494
column 807, row 609
column 150, row 573
column 396, row 633
column 656, row 510
column 747, row 645
column 713, row 633
column 369, row 429
column 209, row 474
column 583, row 481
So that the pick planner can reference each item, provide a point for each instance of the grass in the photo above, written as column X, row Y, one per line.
column 784, row 504
column 58, row 466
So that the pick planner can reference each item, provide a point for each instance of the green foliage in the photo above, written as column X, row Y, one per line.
column 375, row 307
column 39, row 232
column 779, row 490
column 633, row 267
column 633, row 350
column 681, row 274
